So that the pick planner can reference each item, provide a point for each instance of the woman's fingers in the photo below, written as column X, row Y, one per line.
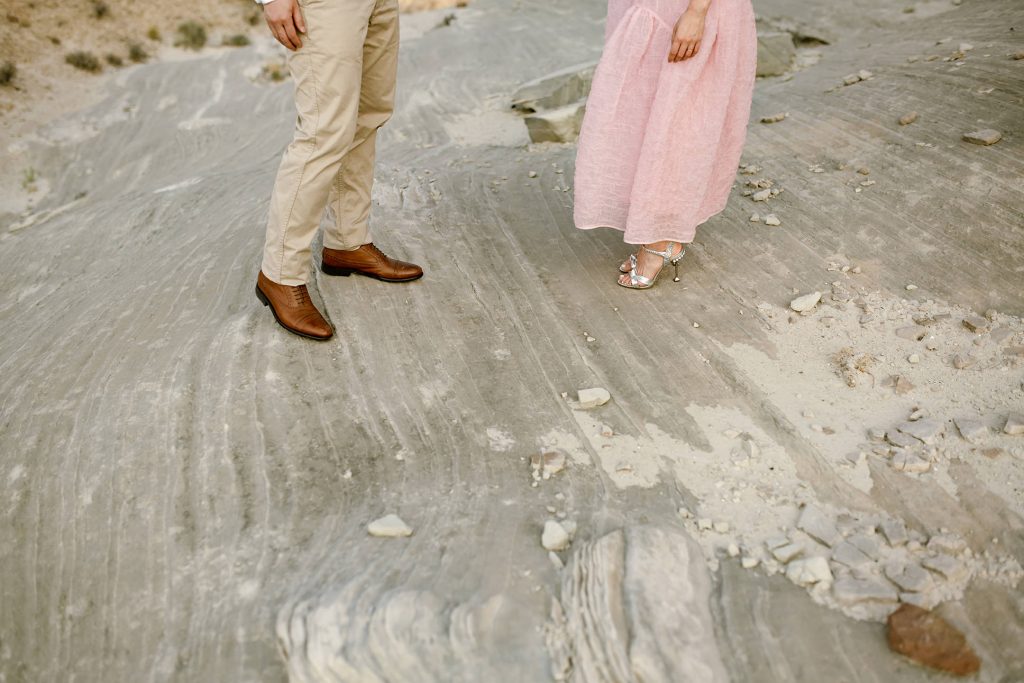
column 675, row 51
column 683, row 49
column 300, row 21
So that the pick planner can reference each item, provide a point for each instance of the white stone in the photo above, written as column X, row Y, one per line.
column 850, row 591
column 772, row 219
column 761, row 195
column 809, row 571
column 787, row 552
column 914, row 359
column 749, row 562
column 815, row 523
column 1014, row 425
column 389, row 526
column 704, row 524
column 910, row 578
column 946, row 566
column 849, row 555
column 592, row 398
column 805, row 302
column 554, row 537
column 926, row 431
column 721, row 527
column 903, row 461
column 733, row 550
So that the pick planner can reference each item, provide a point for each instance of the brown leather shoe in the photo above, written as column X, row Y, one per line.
column 370, row 261
column 293, row 309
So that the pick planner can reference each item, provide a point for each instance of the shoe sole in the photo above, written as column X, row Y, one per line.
column 345, row 272
column 266, row 302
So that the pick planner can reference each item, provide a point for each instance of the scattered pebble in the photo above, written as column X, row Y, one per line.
column 806, row 302
column 911, row 288
column 1014, row 425
column 755, row 218
column 772, row 219
column 908, row 118
column 986, row 136
column 389, row 526
column 774, row 118
column 914, row 359
column 554, row 536
column 592, row 398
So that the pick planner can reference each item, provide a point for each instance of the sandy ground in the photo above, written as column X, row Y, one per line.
column 189, row 488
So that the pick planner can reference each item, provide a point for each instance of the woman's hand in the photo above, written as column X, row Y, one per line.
column 284, row 17
column 688, row 33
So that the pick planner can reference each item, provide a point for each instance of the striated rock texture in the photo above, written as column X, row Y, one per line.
column 635, row 606
column 180, row 475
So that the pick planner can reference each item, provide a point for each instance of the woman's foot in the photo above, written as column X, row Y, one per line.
column 648, row 265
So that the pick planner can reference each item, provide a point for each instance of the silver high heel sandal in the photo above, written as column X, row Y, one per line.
column 638, row 281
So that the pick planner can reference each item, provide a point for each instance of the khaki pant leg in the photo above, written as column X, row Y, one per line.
column 351, row 192
column 327, row 72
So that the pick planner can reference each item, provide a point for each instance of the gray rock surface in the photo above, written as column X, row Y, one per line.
column 180, row 475
column 775, row 53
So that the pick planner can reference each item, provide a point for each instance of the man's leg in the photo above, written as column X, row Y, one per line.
column 347, row 243
column 351, row 191
column 328, row 73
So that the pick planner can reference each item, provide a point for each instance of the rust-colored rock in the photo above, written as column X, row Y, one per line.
column 930, row 640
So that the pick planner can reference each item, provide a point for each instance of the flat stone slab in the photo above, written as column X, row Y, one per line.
column 389, row 526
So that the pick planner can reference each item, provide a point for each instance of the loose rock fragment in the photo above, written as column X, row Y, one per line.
column 899, row 439
column 554, row 537
column 809, row 571
column 816, row 524
column 552, row 463
column 1014, row 425
column 947, row 566
column 805, row 302
column 910, row 462
column 849, row 555
column 908, row 118
column 775, row 53
column 592, row 398
column 775, row 118
column 926, row 431
column 761, row 195
column 389, row 526
column 850, row 591
column 910, row 578
column 962, row 361
column 986, row 136
column 976, row 324
column 902, row 385
column 772, row 219
column 894, row 531
column 787, row 552
column 930, row 640
column 913, row 332
column 971, row 430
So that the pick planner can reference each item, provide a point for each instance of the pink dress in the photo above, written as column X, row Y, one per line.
column 661, row 142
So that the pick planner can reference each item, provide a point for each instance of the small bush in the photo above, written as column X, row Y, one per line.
column 154, row 34
column 100, row 9
column 255, row 17
column 137, row 53
column 55, row 40
column 237, row 40
column 7, row 73
column 191, row 35
column 275, row 71
column 86, row 61
column 114, row 60
column 28, row 180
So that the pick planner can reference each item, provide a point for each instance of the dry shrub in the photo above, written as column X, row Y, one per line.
column 86, row 61
column 191, row 36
